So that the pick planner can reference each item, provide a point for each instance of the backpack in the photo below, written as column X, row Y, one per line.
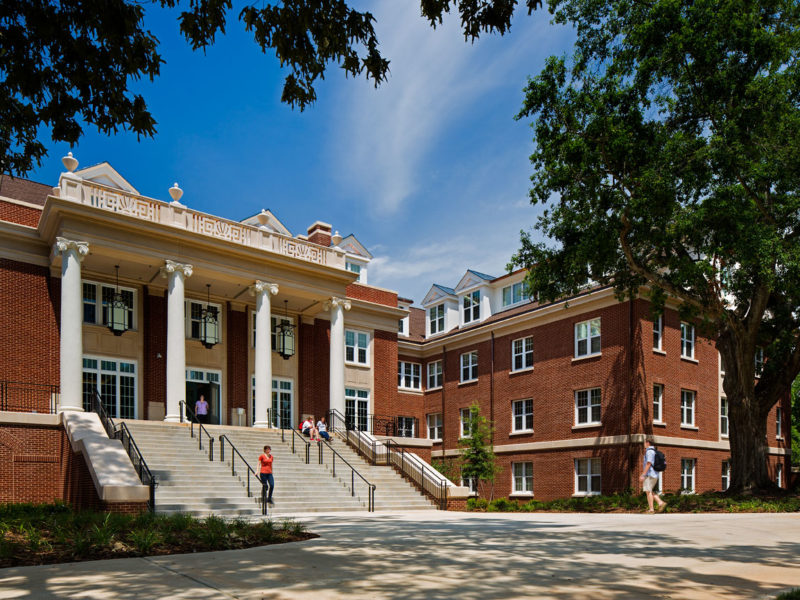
column 659, row 461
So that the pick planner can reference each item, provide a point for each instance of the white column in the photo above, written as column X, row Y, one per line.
column 263, row 359
column 71, row 348
column 337, row 306
column 176, row 338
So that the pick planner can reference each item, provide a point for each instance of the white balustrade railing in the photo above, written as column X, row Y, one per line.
column 177, row 215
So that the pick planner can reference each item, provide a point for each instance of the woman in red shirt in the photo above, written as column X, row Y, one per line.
column 265, row 460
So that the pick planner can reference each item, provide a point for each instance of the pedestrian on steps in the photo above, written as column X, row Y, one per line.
column 267, row 480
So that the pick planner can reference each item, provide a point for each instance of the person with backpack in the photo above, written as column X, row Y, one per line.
column 649, row 476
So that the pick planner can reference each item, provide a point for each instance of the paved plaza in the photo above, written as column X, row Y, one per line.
column 405, row 556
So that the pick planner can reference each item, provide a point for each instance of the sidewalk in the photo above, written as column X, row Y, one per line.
column 411, row 556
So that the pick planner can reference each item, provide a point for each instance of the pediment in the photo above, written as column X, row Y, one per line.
column 352, row 246
column 266, row 218
column 472, row 279
column 105, row 174
column 437, row 292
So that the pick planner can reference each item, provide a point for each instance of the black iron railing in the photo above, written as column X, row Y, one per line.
column 324, row 447
column 201, row 430
column 390, row 426
column 121, row 432
column 223, row 439
column 19, row 396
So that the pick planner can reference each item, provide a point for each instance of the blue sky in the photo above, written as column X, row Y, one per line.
column 430, row 171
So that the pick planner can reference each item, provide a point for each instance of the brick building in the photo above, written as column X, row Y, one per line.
column 152, row 304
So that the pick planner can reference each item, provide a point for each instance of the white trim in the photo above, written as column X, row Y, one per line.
column 526, row 352
column 367, row 351
column 588, row 338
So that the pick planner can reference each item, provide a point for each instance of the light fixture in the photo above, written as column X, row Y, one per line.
column 209, row 334
column 117, row 311
column 285, row 333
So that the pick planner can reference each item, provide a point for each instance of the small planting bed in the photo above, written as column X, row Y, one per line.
column 54, row 533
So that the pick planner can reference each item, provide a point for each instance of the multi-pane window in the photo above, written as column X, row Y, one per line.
column 194, row 321
column 409, row 375
column 587, row 407
column 522, row 354
column 469, row 366
column 687, row 408
column 687, row 475
column 356, row 406
column 513, row 294
column 658, row 403
column 687, row 340
column 587, row 476
column 472, row 306
column 435, row 426
column 273, row 322
column 759, row 361
column 434, row 374
column 587, row 338
column 726, row 474
column 523, row 415
column 658, row 332
column 97, row 302
column 401, row 326
column 465, row 420
column 723, row 416
column 471, row 483
column 436, row 318
column 523, row 478
column 354, row 268
column 405, row 427
column 356, row 344
column 115, row 380
column 778, row 430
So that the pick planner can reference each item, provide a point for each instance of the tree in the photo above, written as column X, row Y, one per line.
column 477, row 457
column 668, row 156
column 68, row 63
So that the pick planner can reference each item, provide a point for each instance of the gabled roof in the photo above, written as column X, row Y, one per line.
column 352, row 246
column 471, row 279
column 267, row 219
column 438, row 292
column 481, row 275
column 104, row 174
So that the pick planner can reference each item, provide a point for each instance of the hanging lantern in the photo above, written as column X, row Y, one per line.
column 117, row 311
column 209, row 319
column 285, row 333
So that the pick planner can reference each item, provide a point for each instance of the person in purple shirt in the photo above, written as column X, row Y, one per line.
column 201, row 409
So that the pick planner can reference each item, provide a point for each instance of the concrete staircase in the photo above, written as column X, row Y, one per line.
column 190, row 483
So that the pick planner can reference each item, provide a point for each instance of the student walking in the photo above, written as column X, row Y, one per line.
column 267, row 480
column 649, row 477
column 201, row 409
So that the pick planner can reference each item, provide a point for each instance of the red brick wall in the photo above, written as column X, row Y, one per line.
column 386, row 401
column 30, row 301
column 238, row 345
column 371, row 294
column 154, row 376
column 314, row 368
column 16, row 213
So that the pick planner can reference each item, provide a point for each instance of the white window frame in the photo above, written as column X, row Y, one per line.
column 189, row 320
column 724, row 423
column 778, row 424
column 726, row 474
column 434, row 423
column 354, row 267
column 522, row 478
column 658, row 403
column 99, row 303
column 658, row 333
column 688, row 340
column 522, row 351
column 409, row 376
column 587, row 338
column 118, row 374
column 435, row 375
column 471, row 307
column 436, row 319
column 688, row 407
column 274, row 321
column 594, row 400
column 356, row 347
column 514, row 294
column 358, row 397
column 592, row 476
column 471, row 483
column 469, row 363
column 406, row 427
column 464, row 414
column 522, row 416
column 688, row 475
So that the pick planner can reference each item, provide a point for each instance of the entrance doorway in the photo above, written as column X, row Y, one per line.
column 282, row 414
column 206, row 383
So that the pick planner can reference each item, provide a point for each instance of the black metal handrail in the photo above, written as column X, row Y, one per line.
column 235, row 451
column 192, row 420
column 298, row 435
column 123, row 434
column 19, row 396
column 353, row 472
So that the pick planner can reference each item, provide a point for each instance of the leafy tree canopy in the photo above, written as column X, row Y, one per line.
column 667, row 155
column 68, row 63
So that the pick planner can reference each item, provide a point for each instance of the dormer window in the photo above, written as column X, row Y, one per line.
column 436, row 319
column 354, row 268
column 472, row 307
column 514, row 294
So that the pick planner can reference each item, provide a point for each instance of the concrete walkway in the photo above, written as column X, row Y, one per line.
column 411, row 556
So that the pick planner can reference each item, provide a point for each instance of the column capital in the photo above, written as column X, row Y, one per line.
column 170, row 266
column 260, row 287
column 335, row 302
column 63, row 245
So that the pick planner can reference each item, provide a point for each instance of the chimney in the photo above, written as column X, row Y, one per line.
column 320, row 233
